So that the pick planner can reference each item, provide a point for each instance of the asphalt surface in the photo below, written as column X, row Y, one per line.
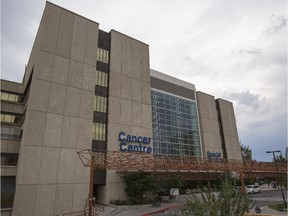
column 268, row 196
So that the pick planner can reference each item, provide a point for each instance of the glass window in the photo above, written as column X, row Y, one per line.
column 9, row 159
column 8, row 184
column 99, row 131
column 100, row 104
column 10, row 118
column 10, row 133
column 101, row 79
column 11, row 97
column 103, row 55
column 178, row 120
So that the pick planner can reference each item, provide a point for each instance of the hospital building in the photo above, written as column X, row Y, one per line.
column 84, row 88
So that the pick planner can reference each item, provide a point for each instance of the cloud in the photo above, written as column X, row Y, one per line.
column 253, row 51
column 245, row 98
column 276, row 23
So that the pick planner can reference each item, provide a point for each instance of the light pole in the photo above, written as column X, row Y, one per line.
column 273, row 152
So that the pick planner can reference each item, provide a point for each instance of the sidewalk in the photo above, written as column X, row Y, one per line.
column 145, row 210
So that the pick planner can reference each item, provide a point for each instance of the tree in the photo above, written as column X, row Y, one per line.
column 246, row 152
column 171, row 181
column 228, row 202
column 138, row 184
column 281, row 158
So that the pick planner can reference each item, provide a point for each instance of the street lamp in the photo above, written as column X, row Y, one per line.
column 273, row 152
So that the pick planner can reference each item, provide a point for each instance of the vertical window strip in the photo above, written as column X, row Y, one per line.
column 99, row 131
column 103, row 55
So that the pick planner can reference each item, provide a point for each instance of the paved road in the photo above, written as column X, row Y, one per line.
column 268, row 197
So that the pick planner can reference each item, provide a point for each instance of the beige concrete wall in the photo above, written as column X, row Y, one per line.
column 209, row 127
column 231, row 139
column 129, row 105
column 51, row 179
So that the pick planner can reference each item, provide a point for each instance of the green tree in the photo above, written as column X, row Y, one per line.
column 228, row 202
column 246, row 152
column 280, row 158
column 138, row 184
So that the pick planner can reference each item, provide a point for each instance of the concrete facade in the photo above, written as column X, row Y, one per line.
column 129, row 101
column 51, row 179
column 209, row 125
column 58, row 114
column 229, row 128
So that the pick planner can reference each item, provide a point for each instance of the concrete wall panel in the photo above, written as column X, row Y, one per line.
column 75, row 75
column 146, row 93
column 53, row 130
column 8, row 171
column 136, row 90
column 80, row 194
column 45, row 200
column 39, row 95
column 82, row 174
column 11, row 107
column 89, row 77
column 65, row 34
column 116, row 46
column 84, row 138
column 60, row 70
column 25, row 200
column 115, row 84
column 137, row 114
column 90, row 53
column 72, row 103
column 126, row 84
column 114, row 109
column 10, row 146
column 79, row 39
column 69, row 133
column 86, row 104
column 146, row 116
column 126, row 115
column 29, row 165
column 114, row 130
column 64, row 199
column 57, row 98
column 46, row 39
column 49, row 166
column 44, row 66
column 35, row 124
column 66, row 166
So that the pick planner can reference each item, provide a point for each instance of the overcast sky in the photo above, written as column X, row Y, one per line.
column 232, row 49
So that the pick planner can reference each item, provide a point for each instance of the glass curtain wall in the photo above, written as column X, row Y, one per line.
column 175, row 125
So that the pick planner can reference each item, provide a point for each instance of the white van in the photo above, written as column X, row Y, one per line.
column 253, row 189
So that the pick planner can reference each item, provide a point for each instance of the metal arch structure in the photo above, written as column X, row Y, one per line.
column 186, row 167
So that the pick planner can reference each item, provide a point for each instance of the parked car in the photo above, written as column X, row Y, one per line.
column 253, row 189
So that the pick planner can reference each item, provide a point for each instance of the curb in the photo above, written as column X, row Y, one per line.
column 163, row 209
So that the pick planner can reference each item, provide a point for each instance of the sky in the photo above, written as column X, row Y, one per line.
column 233, row 49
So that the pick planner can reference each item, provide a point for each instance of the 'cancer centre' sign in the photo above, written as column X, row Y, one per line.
column 132, row 143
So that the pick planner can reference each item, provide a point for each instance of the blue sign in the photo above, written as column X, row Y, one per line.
column 213, row 154
column 140, row 141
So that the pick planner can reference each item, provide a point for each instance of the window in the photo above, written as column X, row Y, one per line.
column 99, row 131
column 8, row 184
column 11, row 118
column 9, row 159
column 103, row 55
column 10, row 133
column 175, row 125
column 100, row 104
column 101, row 78
column 11, row 97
